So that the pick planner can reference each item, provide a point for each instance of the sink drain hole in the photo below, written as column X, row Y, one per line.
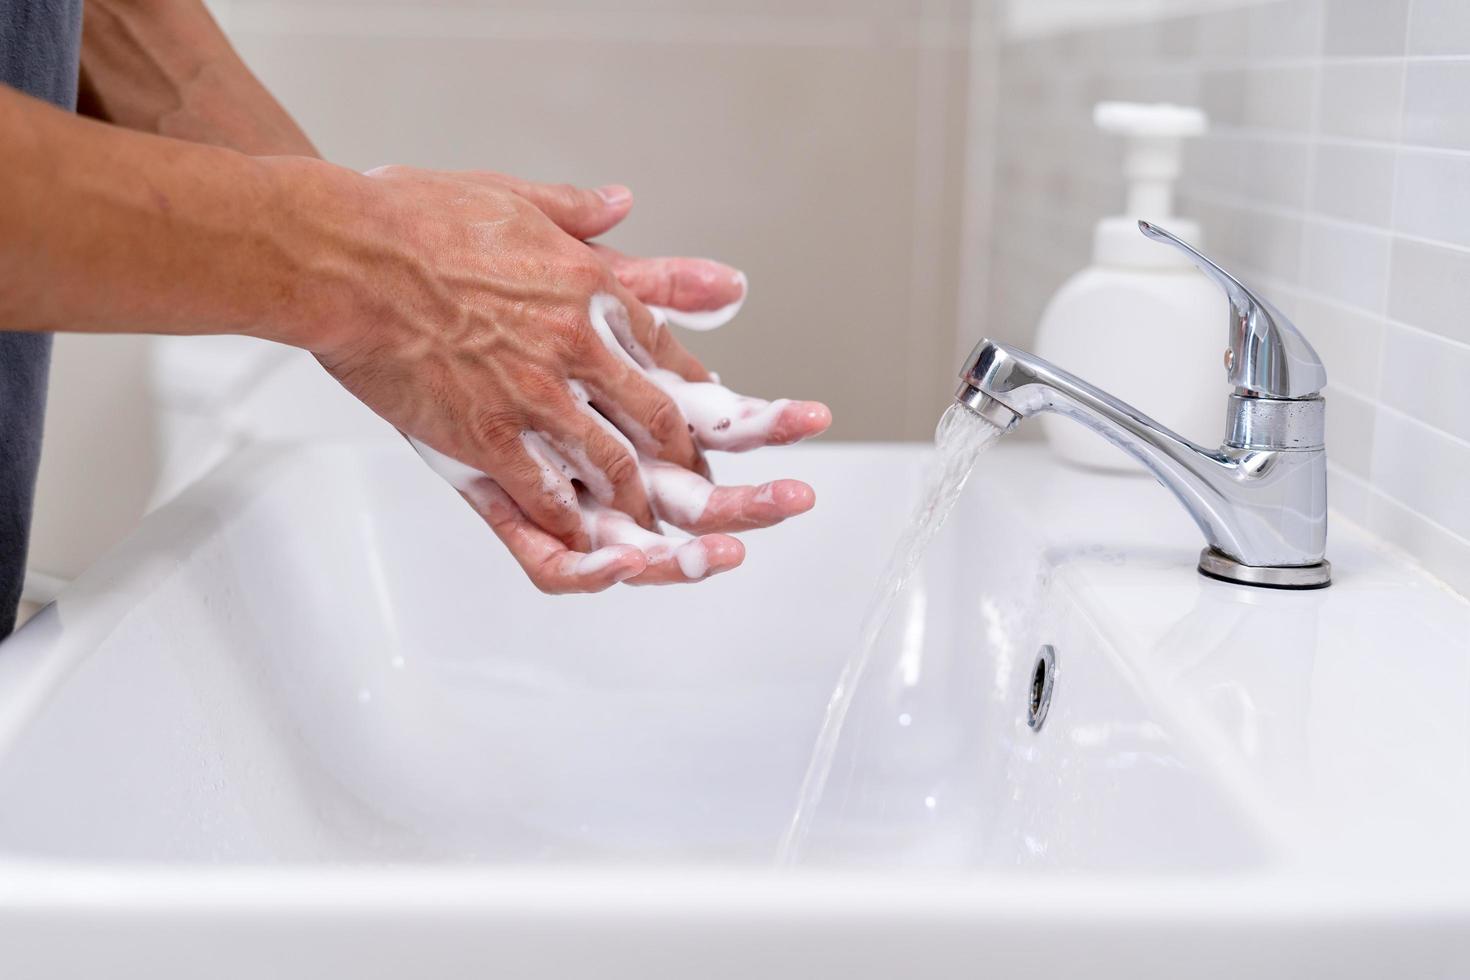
column 1043, row 676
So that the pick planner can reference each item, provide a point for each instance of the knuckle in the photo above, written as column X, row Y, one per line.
column 665, row 421
column 577, row 336
column 569, row 195
column 497, row 431
column 622, row 470
column 663, row 346
column 586, row 274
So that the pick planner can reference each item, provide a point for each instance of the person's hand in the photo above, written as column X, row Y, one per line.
column 512, row 355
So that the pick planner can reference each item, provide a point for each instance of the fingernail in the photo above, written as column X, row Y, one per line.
column 615, row 195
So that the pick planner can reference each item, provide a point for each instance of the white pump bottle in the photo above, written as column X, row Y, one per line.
column 1140, row 322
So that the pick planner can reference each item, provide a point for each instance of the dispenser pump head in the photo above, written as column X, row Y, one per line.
column 1152, row 161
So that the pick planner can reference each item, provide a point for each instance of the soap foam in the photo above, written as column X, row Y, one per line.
column 610, row 320
column 561, row 464
column 607, row 527
column 720, row 418
column 597, row 560
column 677, row 495
column 611, row 531
column 476, row 487
column 702, row 320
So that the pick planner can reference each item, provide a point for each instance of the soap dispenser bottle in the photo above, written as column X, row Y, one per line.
column 1141, row 321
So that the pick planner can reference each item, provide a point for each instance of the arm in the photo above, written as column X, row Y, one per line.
column 165, row 67
column 456, row 306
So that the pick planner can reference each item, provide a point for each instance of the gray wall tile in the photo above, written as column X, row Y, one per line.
column 1366, row 27
column 1361, row 100
column 1429, row 286
column 1429, row 378
column 1440, row 27
column 1432, row 196
column 1354, row 183
column 1435, row 104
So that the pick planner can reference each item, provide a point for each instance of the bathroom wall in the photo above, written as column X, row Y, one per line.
column 1336, row 177
column 817, row 144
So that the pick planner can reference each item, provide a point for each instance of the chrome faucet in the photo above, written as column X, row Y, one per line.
column 1261, row 498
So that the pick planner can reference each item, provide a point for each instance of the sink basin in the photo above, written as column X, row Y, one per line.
column 311, row 719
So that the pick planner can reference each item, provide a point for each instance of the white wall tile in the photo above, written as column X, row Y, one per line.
column 1348, row 496
column 1257, row 170
column 1350, row 435
column 1366, row 27
column 1361, row 99
column 1429, row 287
column 1429, row 378
column 1432, row 195
column 1439, row 27
column 1347, row 263
column 1422, row 468
column 1435, row 104
column 1279, row 98
column 1349, row 342
column 1251, row 242
column 1443, row 554
column 1285, row 29
column 1354, row 183
column 1223, row 33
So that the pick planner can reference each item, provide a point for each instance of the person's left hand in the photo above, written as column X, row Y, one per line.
column 693, row 293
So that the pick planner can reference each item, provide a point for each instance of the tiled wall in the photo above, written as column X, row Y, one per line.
column 1336, row 177
column 817, row 144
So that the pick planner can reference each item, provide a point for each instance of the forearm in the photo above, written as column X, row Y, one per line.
column 165, row 67
column 102, row 230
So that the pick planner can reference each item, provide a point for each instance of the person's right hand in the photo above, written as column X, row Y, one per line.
column 485, row 330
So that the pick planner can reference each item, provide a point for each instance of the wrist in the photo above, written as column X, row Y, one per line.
column 321, row 295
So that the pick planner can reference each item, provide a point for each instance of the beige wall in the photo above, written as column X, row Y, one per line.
column 817, row 144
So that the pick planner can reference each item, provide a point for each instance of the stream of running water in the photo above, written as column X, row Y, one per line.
column 960, row 439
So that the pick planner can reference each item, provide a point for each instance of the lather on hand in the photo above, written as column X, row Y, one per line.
column 466, row 309
column 563, row 410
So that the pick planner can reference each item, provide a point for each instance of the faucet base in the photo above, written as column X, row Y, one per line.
column 1218, row 565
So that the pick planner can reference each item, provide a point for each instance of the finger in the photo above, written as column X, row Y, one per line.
column 693, row 561
column 688, row 501
column 748, row 508
column 723, row 420
column 622, row 390
column 604, row 461
column 670, row 559
column 540, row 482
column 643, row 337
column 550, row 565
column 579, row 211
column 798, row 421
column 678, row 284
column 632, row 405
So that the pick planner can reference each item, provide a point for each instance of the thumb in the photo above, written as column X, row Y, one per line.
column 580, row 212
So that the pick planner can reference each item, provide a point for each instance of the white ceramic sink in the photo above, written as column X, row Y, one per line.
column 310, row 720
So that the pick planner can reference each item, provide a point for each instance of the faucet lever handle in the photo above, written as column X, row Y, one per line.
column 1268, row 355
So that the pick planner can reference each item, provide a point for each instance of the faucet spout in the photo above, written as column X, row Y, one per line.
column 1260, row 499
